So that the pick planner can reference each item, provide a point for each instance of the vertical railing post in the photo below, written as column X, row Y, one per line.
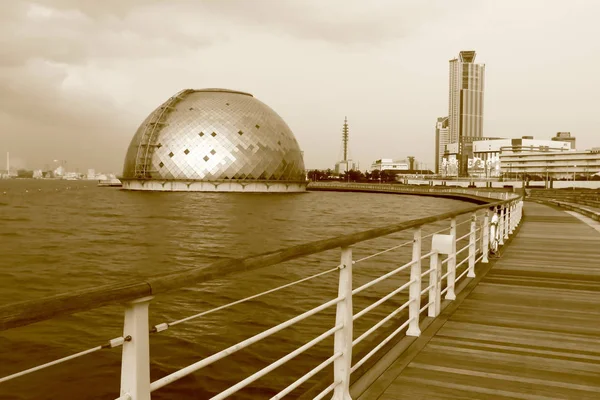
column 485, row 235
column 506, row 221
column 451, row 264
column 343, row 337
column 511, row 218
column 501, row 226
column 135, row 362
column 472, row 246
column 415, row 287
column 435, row 278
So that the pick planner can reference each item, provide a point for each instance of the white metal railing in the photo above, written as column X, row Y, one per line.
column 428, row 286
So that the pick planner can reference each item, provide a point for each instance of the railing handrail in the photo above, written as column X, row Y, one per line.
column 31, row 311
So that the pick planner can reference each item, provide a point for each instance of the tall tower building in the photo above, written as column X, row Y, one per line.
column 442, row 137
column 465, row 106
column 345, row 164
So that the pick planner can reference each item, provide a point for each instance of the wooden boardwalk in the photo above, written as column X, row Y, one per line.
column 529, row 330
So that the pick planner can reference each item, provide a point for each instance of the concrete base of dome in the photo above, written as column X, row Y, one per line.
column 215, row 186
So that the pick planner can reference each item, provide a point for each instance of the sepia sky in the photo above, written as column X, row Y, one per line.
column 78, row 76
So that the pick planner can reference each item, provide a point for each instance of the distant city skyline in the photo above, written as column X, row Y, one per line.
column 77, row 79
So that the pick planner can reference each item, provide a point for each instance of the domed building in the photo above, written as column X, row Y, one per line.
column 214, row 140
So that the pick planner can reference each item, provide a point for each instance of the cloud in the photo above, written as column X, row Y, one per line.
column 68, row 68
column 350, row 22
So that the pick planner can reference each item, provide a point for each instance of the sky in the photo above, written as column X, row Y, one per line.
column 77, row 77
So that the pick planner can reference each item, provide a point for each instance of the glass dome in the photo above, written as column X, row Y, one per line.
column 214, row 140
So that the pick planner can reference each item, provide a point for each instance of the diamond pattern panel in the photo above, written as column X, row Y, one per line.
column 218, row 134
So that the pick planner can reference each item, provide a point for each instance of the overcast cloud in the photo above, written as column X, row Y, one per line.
column 78, row 76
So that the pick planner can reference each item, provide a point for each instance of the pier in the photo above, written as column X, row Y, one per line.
column 484, row 306
column 525, row 328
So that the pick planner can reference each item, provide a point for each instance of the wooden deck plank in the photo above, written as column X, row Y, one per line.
column 529, row 330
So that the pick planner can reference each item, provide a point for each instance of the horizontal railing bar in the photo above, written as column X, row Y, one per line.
column 27, row 312
column 307, row 376
column 463, row 249
column 378, row 302
column 116, row 342
column 426, row 306
column 462, row 262
column 251, row 297
column 327, row 390
column 380, row 345
column 382, row 252
column 463, row 236
column 383, row 321
column 236, row 347
column 436, row 232
column 444, row 290
column 426, row 289
column 466, row 271
column 424, row 256
column 464, row 222
column 49, row 364
column 276, row 364
column 382, row 277
column 423, row 274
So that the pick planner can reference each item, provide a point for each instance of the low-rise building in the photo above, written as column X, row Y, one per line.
column 551, row 164
column 388, row 164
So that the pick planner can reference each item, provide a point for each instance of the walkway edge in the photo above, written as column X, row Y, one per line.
column 374, row 382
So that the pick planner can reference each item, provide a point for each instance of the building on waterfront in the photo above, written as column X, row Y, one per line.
column 551, row 164
column 388, row 164
column 483, row 156
column 214, row 140
column 465, row 106
column 442, row 138
column 565, row 137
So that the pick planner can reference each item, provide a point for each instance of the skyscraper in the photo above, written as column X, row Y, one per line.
column 465, row 106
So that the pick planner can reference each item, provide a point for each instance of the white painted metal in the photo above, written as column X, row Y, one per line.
column 343, row 337
column 472, row 246
column 501, row 227
column 415, row 287
column 236, row 347
column 383, row 321
column 259, row 374
column 164, row 326
column 382, row 300
column 445, row 244
column 381, row 278
column 306, row 377
column 506, row 222
column 379, row 346
column 442, row 244
column 435, row 285
column 135, row 362
column 451, row 266
column 49, row 364
column 485, row 237
column 326, row 391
